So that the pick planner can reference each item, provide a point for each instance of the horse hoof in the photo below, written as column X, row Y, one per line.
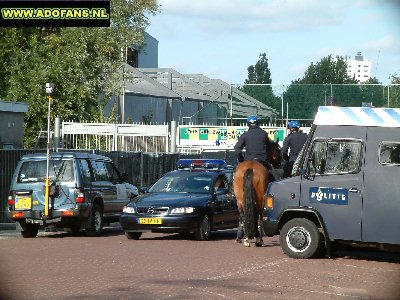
column 238, row 240
column 259, row 243
column 246, row 243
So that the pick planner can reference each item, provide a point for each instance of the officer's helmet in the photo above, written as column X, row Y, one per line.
column 293, row 124
column 252, row 121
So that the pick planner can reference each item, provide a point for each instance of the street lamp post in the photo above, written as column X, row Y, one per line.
column 49, row 92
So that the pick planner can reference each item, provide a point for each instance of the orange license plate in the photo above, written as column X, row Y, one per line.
column 23, row 203
column 149, row 221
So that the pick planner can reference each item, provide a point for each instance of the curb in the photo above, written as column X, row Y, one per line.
column 7, row 226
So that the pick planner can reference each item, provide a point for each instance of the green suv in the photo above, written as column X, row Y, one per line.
column 86, row 190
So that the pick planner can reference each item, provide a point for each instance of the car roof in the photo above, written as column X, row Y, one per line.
column 65, row 154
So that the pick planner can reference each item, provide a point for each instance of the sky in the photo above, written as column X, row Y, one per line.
column 222, row 38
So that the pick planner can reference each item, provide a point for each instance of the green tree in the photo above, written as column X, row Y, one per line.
column 260, row 74
column 322, row 81
column 394, row 93
column 84, row 63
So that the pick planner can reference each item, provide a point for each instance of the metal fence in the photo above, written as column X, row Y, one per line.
column 142, row 169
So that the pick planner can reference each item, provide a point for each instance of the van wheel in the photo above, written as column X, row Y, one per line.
column 204, row 231
column 96, row 222
column 133, row 235
column 28, row 230
column 300, row 238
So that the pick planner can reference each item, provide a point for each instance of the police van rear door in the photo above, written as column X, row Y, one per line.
column 334, row 185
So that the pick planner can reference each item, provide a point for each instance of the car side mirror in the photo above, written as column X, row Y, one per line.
column 144, row 190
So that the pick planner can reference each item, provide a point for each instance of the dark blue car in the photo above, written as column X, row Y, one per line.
column 197, row 198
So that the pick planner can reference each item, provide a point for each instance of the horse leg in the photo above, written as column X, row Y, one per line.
column 256, row 233
column 259, row 241
column 240, row 231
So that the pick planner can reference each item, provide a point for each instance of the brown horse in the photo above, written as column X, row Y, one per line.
column 250, row 184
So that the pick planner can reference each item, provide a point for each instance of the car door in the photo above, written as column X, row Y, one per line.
column 230, row 216
column 103, row 186
column 120, row 198
column 334, row 185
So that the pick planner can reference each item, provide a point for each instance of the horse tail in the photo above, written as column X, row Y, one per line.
column 249, row 203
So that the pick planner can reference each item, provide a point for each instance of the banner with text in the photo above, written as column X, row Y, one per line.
column 220, row 135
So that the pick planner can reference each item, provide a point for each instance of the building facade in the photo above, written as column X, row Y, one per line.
column 359, row 68
column 12, row 124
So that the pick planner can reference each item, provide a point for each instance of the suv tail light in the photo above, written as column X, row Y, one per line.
column 11, row 200
column 80, row 195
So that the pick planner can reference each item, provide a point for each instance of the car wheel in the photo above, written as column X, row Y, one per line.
column 204, row 231
column 300, row 238
column 28, row 230
column 96, row 222
column 133, row 235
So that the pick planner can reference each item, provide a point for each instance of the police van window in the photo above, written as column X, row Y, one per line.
column 335, row 157
column 317, row 162
column 389, row 153
column 343, row 157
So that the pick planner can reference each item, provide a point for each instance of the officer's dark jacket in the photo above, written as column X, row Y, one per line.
column 256, row 142
column 295, row 142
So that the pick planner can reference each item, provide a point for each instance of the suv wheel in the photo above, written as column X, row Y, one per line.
column 300, row 238
column 133, row 235
column 28, row 230
column 96, row 222
column 204, row 231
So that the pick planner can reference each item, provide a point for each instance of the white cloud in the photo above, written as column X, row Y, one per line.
column 387, row 43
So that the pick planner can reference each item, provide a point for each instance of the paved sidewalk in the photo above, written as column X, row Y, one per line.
column 7, row 226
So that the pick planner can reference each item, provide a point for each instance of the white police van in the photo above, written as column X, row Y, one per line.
column 345, row 186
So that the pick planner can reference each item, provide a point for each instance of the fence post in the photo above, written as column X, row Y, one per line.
column 57, row 133
column 173, row 137
column 141, row 169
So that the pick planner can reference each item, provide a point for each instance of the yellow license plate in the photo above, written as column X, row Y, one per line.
column 149, row 221
column 23, row 203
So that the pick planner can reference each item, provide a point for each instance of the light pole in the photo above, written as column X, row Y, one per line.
column 49, row 92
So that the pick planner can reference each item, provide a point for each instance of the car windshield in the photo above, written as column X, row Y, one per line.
column 35, row 171
column 183, row 183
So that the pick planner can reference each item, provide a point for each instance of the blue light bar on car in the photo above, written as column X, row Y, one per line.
column 201, row 163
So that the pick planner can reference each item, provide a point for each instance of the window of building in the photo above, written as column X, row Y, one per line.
column 389, row 153
column 132, row 57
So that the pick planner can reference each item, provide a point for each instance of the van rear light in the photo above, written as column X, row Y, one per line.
column 80, row 195
column 17, row 215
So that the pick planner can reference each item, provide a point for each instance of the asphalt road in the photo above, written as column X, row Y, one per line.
column 59, row 265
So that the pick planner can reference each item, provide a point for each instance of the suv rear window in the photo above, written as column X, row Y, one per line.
column 35, row 171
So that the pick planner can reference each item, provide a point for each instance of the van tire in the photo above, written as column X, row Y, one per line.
column 96, row 221
column 300, row 238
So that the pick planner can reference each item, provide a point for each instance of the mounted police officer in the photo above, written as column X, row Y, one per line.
column 294, row 141
column 256, row 142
